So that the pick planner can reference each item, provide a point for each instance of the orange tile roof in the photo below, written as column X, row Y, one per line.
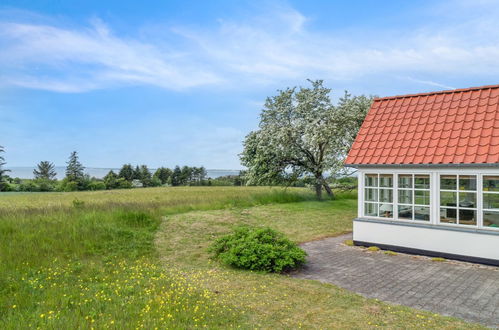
column 458, row 126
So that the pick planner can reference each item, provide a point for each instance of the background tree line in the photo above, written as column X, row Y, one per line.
column 127, row 177
column 140, row 176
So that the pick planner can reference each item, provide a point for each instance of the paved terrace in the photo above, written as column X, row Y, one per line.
column 463, row 290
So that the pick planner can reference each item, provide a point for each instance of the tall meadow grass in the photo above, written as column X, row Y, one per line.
column 165, row 198
column 72, row 260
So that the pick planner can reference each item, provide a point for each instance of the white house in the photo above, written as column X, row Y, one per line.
column 429, row 174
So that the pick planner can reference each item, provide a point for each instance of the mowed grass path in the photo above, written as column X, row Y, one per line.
column 280, row 301
column 137, row 259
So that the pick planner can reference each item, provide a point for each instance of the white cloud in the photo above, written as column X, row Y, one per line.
column 282, row 47
column 66, row 60
column 263, row 49
column 429, row 82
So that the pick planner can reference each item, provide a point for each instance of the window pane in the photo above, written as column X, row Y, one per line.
column 386, row 210
column 491, row 183
column 386, row 195
column 448, row 198
column 371, row 180
column 491, row 219
column 467, row 217
column 448, row 182
column 422, row 197
column 422, row 213
column 467, row 199
column 371, row 195
column 405, row 212
column 405, row 196
column 422, row 181
column 405, row 181
column 490, row 201
column 386, row 180
column 371, row 209
column 448, row 215
column 467, row 182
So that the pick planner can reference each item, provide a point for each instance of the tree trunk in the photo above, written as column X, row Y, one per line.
column 321, row 182
column 318, row 190
column 328, row 189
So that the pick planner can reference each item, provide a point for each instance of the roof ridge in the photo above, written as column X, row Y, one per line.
column 447, row 91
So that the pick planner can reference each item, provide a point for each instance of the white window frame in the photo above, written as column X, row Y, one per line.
column 378, row 187
column 413, row 197
column 395, row 175
column 482, row 209
column 457, row 207
column 434, row 193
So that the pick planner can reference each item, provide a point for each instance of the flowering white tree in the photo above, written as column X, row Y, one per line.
column 302, row 133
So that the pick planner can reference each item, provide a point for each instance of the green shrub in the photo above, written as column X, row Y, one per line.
column 45, row 185
column 373, row 248
column 66, row 185
column 4, row 186
column 78, row 204
column 123, row 184
column 96, row 185
column 261, row 249
column 29, row 185
column 156, row 182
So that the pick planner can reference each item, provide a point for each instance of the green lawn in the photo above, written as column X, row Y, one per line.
column 137, row 259
column 277, row 301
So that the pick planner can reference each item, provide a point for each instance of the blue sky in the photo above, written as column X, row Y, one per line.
column 182, row 82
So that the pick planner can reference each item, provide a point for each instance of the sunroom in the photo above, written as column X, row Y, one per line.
column 428, row 169
column 459, row 197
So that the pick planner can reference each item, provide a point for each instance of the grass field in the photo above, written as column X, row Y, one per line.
column 172, row 199
column 137, row 259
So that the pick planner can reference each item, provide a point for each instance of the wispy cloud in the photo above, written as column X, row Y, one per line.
column 69, row 60
column 281, row 47
column 261, row 49
column 429, row 82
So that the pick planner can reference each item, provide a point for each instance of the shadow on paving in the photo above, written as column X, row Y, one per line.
column 459, row 289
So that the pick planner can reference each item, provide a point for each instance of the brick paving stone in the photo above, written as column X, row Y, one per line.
column 452, row 288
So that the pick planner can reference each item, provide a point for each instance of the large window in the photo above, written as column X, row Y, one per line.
column 468, row 200
column 458, row 199
column 413, row 197
column 378, row 195
column 491, row 201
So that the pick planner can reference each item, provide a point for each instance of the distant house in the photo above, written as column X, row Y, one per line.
column 429, row 174
column 137, row 184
